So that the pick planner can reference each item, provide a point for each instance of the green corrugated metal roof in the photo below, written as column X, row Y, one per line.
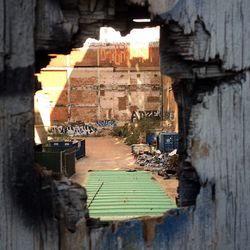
column 115, row 195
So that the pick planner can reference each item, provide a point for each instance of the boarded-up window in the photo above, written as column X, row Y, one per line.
column 102, row 92
column 122, row 103
column 153, row 99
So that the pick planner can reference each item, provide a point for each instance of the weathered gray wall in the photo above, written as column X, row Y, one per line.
column 28, row 218
column 203, row 46
column 199, row 41
column 16, row 123
column 218, row 149
column 226, row 22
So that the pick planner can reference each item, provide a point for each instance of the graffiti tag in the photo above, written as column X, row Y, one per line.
column 169, row 116
column 72, row 129
column 155, row 114
column 106, row 123
column 138, row 115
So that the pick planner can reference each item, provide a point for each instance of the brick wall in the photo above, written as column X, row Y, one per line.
column 101, row 82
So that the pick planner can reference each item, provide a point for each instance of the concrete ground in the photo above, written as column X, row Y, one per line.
column 109, row 153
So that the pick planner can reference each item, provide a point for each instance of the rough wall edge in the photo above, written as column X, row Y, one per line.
column 141, row 233
column 226, row 21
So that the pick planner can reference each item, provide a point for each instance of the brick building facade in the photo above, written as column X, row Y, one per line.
column 102, row 81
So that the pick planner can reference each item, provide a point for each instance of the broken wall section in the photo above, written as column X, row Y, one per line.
column 219, row 220
column 16, row 126
column 102, row 82
column 27, row 218
column 211, row 85
column 203, row 46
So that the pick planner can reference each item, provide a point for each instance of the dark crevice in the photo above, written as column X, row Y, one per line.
column 13, row 81
column 213, row 192
column 187, row 94
column 189, row 185
column 193, row 79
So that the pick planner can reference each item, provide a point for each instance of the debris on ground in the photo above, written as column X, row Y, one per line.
column 171, row 166
column 165, row 164
column 138, row 149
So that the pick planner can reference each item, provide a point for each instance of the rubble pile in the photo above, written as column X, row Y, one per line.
column 171, row 166
column 139, row 149
column 166, row 165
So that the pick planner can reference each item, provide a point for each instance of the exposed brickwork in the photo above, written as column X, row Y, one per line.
column 59, row 114
column 116, row 55
column 156, row 79
column 133, row 108
column 153, row 99
column 83, row 113
column 91, row 80
column 83, row 97
column 132, row 87
column 151, row 106
column 107, row 82
column 62, row 97
column 102, row 92
column 122, row 103
column 133, row 81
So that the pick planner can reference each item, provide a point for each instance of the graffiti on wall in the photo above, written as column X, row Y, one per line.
column 77, row 129
column 169, row 116
column 106, row 123
column 155, row 114
column 138, row 115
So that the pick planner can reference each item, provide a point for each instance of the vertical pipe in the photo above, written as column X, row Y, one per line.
column 69, row 70
column 162, row 96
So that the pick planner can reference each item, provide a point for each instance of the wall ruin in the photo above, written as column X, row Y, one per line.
column 101, row 82
column 207, row 47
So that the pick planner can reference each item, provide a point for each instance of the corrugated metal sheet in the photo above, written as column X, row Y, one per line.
column 115, row 195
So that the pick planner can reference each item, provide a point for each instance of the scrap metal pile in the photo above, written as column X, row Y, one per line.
column 166, row 165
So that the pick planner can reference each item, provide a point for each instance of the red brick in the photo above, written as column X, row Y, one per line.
column 84, row 114
column 75, row 82
column 59, row 114
column 133, row 109
column 83, row 97
column 115, row 55
column 63, row 98
column 122, row 103
column 154, row 99
column 102, row 92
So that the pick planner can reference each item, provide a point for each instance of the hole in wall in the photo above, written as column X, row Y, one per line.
column 116, row 58
column 68, row 78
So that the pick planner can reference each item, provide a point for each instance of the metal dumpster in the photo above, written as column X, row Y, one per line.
column 60, row 161
column 152, row 137
column 168, row 141
column 78, row 144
